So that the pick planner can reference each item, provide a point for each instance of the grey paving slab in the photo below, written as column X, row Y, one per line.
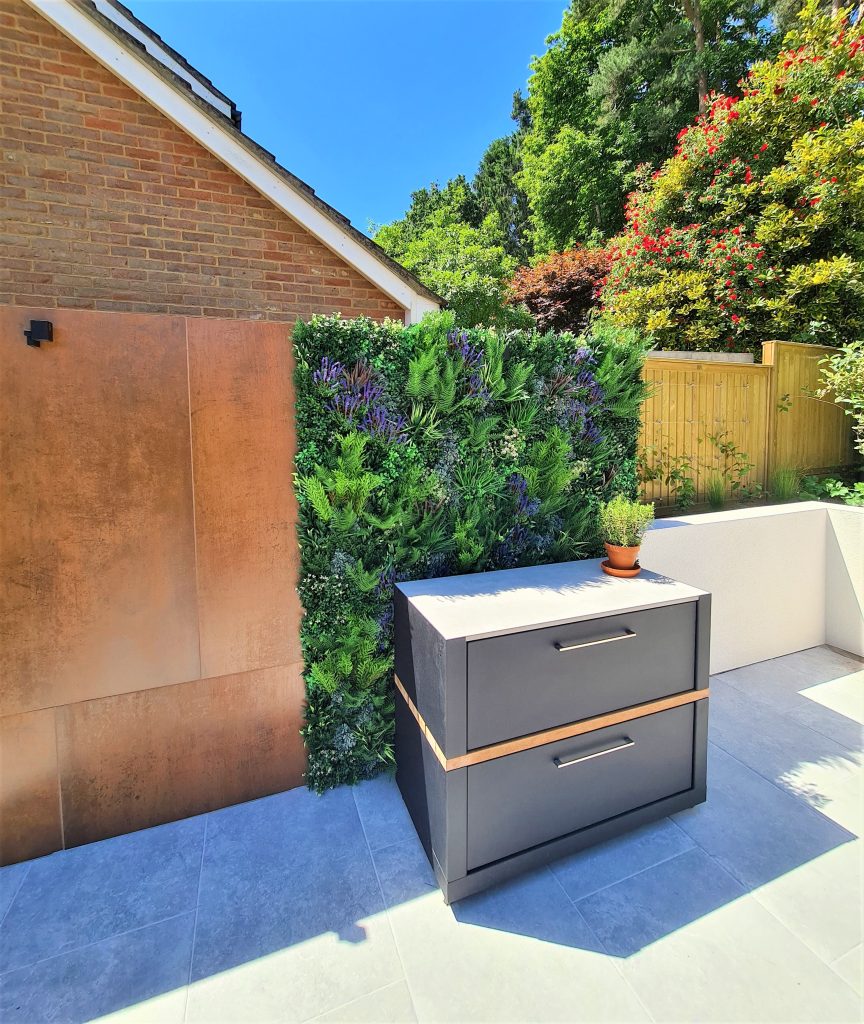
column 599, row 866
column 737, row 964
column 779, row 747
column 289, row 925
column 108, row 976
column 520, row 952
column 282, row 832
column 11, row 878
column 650, row 905
column 389, row 1005
column 753, row 828
column 821, row 901
column 850, row 967
column 382, row 812
column 83, row 895
column 404, row 873
column 831, row 723
column 779, row 682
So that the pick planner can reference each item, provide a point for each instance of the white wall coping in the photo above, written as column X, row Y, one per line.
column 782, row 577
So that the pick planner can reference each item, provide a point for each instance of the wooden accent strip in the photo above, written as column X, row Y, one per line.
column 436, row 750
column 561, row 732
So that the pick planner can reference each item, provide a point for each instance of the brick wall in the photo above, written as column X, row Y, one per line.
column 107, row 205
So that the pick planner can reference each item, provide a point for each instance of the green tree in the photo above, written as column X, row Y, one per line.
column 497, row 191
column 614, row 85
column 752, row 229
column 466, row 265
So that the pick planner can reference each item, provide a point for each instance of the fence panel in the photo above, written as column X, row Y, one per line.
column 766, row 411
column 692, row 400
column 807, row 432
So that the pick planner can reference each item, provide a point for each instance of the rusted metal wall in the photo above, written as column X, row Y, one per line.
column 149, row 656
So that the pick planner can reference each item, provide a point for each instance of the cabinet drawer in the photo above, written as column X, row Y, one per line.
column 525, row 682
column 525, row 799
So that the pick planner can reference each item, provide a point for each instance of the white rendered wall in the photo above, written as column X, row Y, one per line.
column 844, row 573
column 782, row 577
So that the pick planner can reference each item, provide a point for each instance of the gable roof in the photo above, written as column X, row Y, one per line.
column 141, row 59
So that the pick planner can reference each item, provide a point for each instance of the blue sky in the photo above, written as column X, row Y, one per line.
column 365, row 100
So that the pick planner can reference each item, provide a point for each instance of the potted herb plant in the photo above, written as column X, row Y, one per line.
column 622, row 525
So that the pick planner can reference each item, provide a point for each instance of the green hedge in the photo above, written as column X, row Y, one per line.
column 427, row 451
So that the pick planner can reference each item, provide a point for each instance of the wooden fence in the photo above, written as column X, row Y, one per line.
column 765, row 411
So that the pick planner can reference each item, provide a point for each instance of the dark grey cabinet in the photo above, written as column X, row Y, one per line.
column 541, row 710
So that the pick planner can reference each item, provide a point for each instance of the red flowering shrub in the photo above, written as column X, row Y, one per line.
column 561, row 291
column 754, row 228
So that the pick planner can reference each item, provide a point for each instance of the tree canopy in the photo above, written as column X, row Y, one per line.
column 606, row 104
column 752, row 230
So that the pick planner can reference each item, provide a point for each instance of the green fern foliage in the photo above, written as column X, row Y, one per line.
column 426, row 451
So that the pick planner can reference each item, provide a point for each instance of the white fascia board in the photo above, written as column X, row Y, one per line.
column 110, row 12
column 129, row 68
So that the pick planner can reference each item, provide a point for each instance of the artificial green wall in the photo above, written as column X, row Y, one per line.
column 428, row 451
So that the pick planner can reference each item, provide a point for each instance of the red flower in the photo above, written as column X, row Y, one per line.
column 763, row 147
column 734, row 318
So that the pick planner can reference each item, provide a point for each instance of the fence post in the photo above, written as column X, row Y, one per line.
column 769, row 356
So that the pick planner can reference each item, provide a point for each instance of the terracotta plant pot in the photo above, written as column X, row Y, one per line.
column 622, row 558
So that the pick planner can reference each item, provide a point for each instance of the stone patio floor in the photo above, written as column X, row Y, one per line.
column 295, row 907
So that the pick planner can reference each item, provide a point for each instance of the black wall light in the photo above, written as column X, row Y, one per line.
column 40, row 330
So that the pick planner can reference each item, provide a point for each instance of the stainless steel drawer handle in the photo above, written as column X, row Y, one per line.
column 597, row 753
column 625, row 635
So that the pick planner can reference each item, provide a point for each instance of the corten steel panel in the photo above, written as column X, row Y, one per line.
column 242, row 449
column 138, row 759
column 29, row 794
column 97, row 550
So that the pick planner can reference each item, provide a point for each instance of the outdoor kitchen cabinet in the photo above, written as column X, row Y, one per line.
column 544, row 709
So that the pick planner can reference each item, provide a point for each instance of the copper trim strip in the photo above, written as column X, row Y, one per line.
column 436, row 750
column 561, row 732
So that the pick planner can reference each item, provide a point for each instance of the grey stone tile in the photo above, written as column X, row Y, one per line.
column 92, row 981
column 737, row 964
column 390, row 1005
column 779, row 682
column 821, row 901
column 755, row 830
column 836, row 726
column 778, row 747
column 519, row 952
column 603, row 865
column 79, row 896
column 850, row 967
column 279, row 833
column 644, row 908
column 284, row 937
column 405, row 873
column 254, row 909
column 383, row 814
column 11, row 878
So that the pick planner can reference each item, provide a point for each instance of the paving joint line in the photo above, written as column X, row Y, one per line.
column 384, row 905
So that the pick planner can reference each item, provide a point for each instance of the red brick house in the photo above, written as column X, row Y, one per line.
column 149, row 663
